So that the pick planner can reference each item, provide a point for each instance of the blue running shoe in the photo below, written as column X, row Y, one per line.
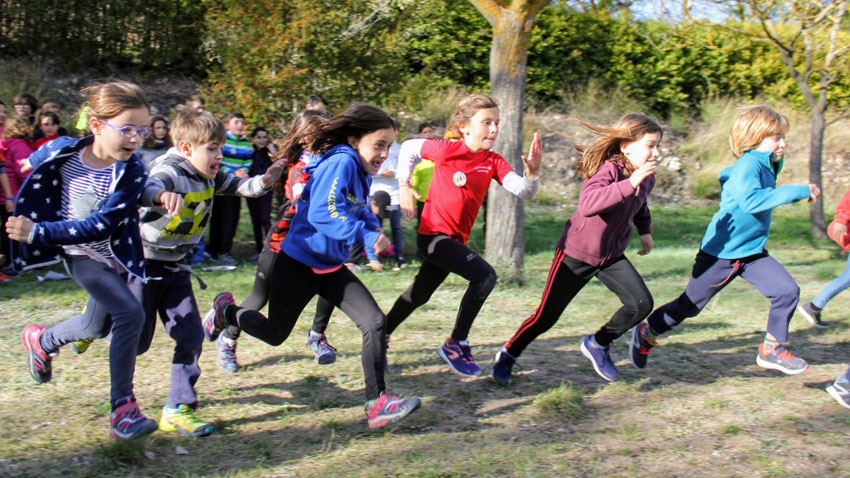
column 458, row 355
column 214, row 319
column 502, row 366
column 323, row 351
column 388, row 409
column 226, row 350
column 598, row 356
column 127, row 422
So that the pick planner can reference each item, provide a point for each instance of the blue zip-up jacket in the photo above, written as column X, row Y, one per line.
column 747, row 198
column 40, row 199
column 333, row 211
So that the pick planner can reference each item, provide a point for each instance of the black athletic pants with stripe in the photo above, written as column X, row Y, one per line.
column 566, row 278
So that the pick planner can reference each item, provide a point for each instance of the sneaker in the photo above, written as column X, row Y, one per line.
column 811, row 314
column 388, row 409
column 183, row 420
column 459, row 357
column 399, row 265
column 780, row 359
column 3, row 278
column 639, row 347
column 600, row 358
column 214, row 319
column 128, row 423
column 226, row 259
column 38, row 361
column 323, row 351
column 80, row 346
column 226, row 354
column 502, row 366
column 840, row 391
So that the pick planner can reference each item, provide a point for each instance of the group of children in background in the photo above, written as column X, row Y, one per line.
column 126, row 229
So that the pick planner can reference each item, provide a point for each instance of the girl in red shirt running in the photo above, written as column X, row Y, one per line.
column 462, row 174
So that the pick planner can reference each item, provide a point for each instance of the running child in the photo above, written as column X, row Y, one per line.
column 80, row 200
column 177, row 203
column 838, row 232
column 462, row 174
column 332, row 212
column 618, row 170
column 734, row 241
column 295, row 156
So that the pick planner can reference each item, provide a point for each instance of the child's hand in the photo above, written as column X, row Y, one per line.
column 840, row 230
column 376, row 265
column 240, row 173
column 25, row 165
column 415, row 194
column 381, row 244
column 534, row 158
column 388, row 173
column 272, row 173
column 642, row 173
column 10, row 205
column 18, row 228
column 646, row 243
column 172, row 202
column 814, row 192
column 405, row 198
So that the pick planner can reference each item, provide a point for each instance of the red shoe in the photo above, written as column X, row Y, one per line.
column 38, row 360
column 388, row 409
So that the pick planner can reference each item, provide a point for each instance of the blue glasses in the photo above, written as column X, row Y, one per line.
column 129, row 131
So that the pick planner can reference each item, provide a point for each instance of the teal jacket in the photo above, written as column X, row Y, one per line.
column 747, row 198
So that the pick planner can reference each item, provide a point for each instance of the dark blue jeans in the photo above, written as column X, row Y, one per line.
column 111, row 308
column 172, row 296
column 711, row 274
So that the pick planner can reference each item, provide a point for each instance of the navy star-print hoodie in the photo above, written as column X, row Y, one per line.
column 40, row 199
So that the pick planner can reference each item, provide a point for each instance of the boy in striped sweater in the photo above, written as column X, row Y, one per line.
column 238, row 152
column 177, row 203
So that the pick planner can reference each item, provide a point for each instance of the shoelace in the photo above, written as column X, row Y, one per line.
column 323, row 343
column 466, row 354
column 129, row 417
column 229, row 351
column 785, row 355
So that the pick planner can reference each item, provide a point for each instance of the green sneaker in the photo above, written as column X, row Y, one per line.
column 183, row 420
column 80, row 346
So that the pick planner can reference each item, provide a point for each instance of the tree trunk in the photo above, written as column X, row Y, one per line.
column 815, row 177
column 505, row 235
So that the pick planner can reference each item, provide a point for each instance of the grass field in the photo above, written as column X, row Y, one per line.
column 701, row 408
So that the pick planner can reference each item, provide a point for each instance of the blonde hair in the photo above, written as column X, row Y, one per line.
column 466, row 109
column 752, row 125
column 108, row 100
column 196, row 127
column 606, row 147
column 17, row 127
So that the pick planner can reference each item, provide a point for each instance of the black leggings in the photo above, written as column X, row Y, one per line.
column 259, row 296
column 566, row 278
column 296, row 284
column 443, row 255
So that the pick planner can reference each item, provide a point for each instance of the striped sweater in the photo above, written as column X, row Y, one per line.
column 238, row 153
column 169, row 238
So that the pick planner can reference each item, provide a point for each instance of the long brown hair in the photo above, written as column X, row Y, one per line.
column 293, row 144
column 606, row 147
column 357, row 121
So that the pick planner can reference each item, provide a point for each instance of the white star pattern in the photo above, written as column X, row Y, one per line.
column 55, row 182
column 139, row 179
column 18, row 260
column 34, row 215
column 36, row 176
column 122, row 205
column 36, row 186
column 130, row 241
column 36, row 253
column 20, row 200
column 100, row 226
column 41, row 230
column 72, row 231
column 47, row 200
column 129, row 264
column 117, row 241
